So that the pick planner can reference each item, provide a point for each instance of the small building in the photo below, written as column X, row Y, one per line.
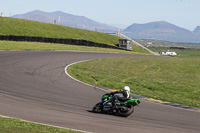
column 126, row 44
column 149, row 43
column 168, row 53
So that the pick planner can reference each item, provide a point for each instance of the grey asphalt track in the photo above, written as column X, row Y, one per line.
column 34, row 87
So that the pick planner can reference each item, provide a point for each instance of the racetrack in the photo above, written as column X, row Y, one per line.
column 34, row 87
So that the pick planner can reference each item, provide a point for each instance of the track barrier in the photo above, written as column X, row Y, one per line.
column 56, row 40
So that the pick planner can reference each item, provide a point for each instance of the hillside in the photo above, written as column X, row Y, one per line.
column 13, row 26
column 161, row 30
column 197, row 30
column 65, row 19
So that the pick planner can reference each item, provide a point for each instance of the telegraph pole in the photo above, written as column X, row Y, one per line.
column 58, row 20
column 118, row 33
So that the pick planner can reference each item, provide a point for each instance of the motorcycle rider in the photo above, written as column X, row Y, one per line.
column 126, row 95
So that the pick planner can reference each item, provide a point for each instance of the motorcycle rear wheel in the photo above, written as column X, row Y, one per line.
column 126, row 113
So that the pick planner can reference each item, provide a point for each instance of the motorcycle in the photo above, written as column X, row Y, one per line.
column 121, row 108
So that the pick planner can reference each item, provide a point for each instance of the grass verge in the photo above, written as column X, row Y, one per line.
column 10, row 125
column 175, row 80
column 12, row 45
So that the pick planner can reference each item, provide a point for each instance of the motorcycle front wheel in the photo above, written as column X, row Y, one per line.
column 97, row 108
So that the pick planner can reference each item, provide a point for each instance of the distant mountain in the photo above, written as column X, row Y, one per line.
column 66, row 19
column 161, row 30
column 197, row 30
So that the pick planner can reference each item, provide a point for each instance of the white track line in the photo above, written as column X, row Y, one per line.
column 47, row 124
column 79, row 80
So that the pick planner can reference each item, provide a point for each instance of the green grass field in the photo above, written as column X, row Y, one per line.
column 12, row 45
column 175, row 80
column 20, row 27
column 157, row 43
column 13, row 26
column 181, row 52
column 9, row 125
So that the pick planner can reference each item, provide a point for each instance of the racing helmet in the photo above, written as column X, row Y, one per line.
column 127, row 89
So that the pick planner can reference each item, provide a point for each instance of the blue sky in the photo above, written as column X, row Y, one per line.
column 183, row 13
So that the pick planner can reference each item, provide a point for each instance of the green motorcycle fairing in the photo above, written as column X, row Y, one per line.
column 133, row 102
column 105, row 97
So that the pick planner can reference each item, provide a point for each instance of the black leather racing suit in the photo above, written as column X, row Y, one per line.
column 116, row 98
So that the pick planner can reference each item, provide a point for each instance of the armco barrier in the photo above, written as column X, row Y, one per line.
column 55, row 40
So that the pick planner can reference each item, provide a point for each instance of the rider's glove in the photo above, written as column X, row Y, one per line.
column 112, row 93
